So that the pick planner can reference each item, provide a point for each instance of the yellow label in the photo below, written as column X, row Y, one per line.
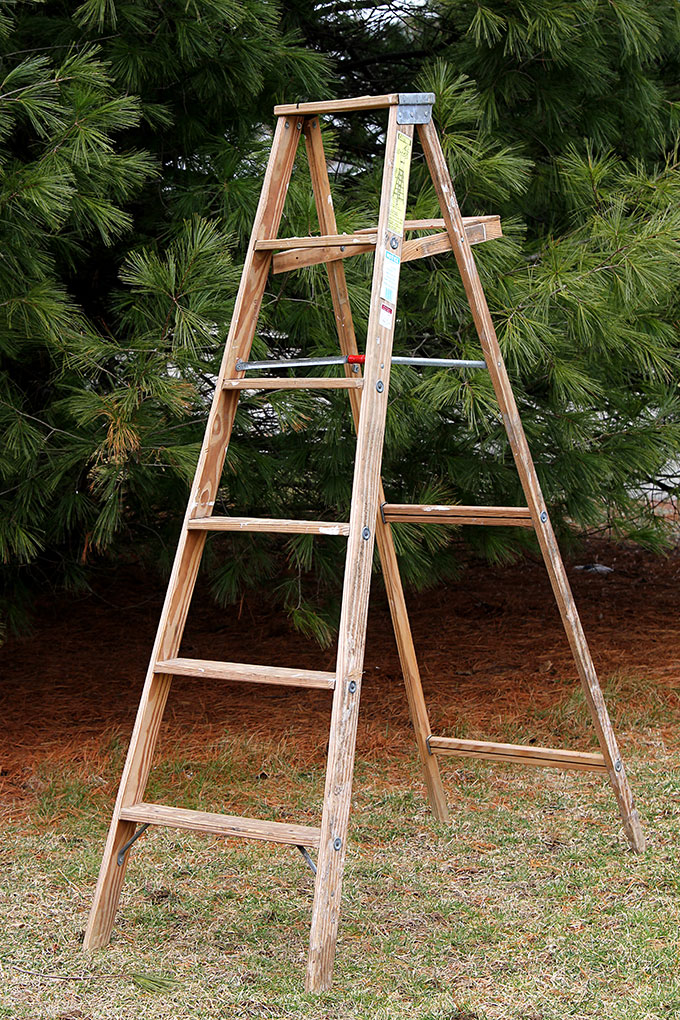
column 402, row 168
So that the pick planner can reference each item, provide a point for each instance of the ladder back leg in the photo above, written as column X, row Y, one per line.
column 530, row 484
column 395, row 593
column 352, row 632
column 191, row 543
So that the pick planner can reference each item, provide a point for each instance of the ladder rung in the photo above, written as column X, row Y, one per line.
column 269, row 525
column 317, row 241
column 222, row 825
column 308, row 383
column 246, row 672
column 549, row 757
column 492, row 223
column 422, row 513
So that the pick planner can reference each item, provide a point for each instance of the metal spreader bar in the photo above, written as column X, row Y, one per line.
column 355, row 359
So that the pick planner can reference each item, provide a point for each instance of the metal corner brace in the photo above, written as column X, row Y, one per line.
column 415, row 107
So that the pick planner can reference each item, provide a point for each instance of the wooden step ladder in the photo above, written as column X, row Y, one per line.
column 371, row 516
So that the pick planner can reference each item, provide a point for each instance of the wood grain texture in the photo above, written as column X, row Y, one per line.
column 299, row 258
column 437, row 244
column 388, row 558
column 352, row 630
column 522, row 754
column 338, row 105
column 316, row 241
column 492, row 222
column 247, row 673
column 190, row 546
column 301, row 383
column 269, row 525
column 458, row 521
column 421, row 513
column 222, row 825
column 529, row 479
column 477, row 228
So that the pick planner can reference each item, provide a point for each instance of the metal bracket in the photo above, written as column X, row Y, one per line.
column 382, row 513
column 305, row 853
column 415, row 107
column 427, row 744
column 126, row 846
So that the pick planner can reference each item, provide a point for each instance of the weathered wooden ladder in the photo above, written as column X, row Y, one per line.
column 371, row 516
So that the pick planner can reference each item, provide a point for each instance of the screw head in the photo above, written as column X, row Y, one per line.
column 380, row 386
column 366, row 533
column 352, row 686
column 618, row 765
column 544, row 516
column 337, row 843
column 394, row 242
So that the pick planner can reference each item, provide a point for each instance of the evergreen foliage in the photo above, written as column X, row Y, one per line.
column 133, row 140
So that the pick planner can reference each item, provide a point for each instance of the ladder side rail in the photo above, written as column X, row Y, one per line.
column 388, row 557
column 530, row 484
column 358, row 569
column 191, row 543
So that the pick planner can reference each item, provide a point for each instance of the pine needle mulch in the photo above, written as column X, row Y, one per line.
column 493, row 656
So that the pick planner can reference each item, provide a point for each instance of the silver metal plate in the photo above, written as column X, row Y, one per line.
column 415, row 107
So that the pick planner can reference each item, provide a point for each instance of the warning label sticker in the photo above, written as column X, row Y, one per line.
column 390, row 278
column 402, row 167
column 386, row 316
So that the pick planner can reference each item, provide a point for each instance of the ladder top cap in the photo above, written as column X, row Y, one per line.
column 421, row 100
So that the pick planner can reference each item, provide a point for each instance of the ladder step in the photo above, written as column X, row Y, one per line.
column 340, row 383
column 222, row 825
column 246, row 672
column 549, row 757
column 422, row 513
column 315, row 241
column 269, row 525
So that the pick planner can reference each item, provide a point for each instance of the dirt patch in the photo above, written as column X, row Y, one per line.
column 492, row 653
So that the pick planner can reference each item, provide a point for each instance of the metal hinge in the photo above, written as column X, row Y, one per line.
column 415, row 107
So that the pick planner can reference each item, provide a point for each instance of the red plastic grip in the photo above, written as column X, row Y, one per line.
column 356, row 359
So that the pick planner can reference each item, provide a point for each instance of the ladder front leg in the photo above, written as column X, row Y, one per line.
column 388, row 557
column 191, row 543
column 133, row 784
column 358, row 569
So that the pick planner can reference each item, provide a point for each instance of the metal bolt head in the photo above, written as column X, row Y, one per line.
column 287, row 125
column 380, row 386
column 544, row 516
column 366, row 533
column 394, row 242
column 337, row 843
column 352, row 686
column 618, row 765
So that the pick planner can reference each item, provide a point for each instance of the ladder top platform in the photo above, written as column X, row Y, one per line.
column 359, row 103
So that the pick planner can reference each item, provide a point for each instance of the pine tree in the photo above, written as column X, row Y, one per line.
column 133, row 139
column 124, row 132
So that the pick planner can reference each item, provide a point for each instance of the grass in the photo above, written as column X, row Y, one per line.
column 528, row 906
